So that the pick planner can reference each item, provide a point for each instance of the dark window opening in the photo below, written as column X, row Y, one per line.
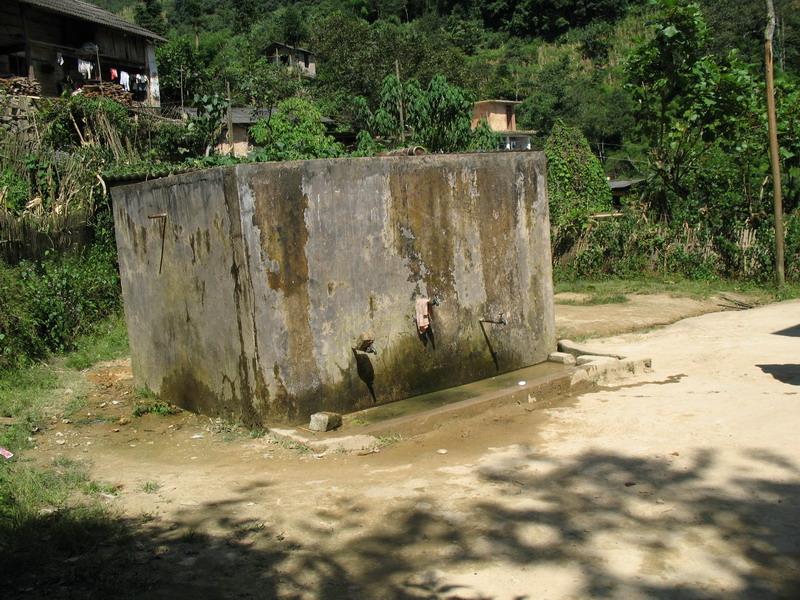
column 17, row 65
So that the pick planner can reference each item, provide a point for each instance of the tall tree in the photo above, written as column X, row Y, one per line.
column 149, row 14
column 689, row 103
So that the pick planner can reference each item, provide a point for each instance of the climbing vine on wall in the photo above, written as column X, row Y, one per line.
column 576, row 183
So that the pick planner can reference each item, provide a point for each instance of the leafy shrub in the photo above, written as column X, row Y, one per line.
column 67, row 295
column 19, row 335
column 14, row 193
column 48, row 305
column 294, row 132
column 174, row 142
column 157, row 407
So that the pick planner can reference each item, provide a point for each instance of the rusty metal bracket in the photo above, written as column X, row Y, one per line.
column 163, row 217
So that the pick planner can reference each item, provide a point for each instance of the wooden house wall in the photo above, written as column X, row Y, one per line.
column 50, row 33
column 12, row 24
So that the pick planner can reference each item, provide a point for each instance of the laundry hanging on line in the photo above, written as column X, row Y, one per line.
column 125, row 80
column 141, row 82
column 85, row 68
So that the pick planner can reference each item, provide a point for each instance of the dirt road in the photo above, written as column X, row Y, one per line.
column 682, row 483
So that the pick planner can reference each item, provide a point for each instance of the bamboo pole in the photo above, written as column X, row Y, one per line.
column 774, row 154
column 400, row 103
column 230, row 120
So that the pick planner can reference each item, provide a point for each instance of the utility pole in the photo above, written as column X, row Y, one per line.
column 400, row 102
column 774, row 154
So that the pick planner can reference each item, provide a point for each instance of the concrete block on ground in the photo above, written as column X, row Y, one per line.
column 261, row 285
column 561, row 357
column 325, row 421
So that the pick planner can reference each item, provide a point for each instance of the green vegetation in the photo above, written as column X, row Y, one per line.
column 107, row 341
column 576, row 184
column 296, row 132
column 154, row 407
column 594, row 299
column 150, row 487
column 700, row 289
column 52, row 303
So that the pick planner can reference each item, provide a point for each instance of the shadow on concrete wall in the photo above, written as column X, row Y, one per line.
column 402, row 554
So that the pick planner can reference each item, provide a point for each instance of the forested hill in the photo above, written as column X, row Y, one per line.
column 563, row 58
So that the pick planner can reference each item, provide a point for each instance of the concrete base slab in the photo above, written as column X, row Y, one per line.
column 361, row 431
column 570, row 347
column 607, row 370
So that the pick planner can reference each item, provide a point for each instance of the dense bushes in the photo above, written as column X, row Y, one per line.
column 634, row 245
column 46, row 306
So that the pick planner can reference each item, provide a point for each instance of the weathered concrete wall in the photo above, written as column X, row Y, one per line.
column 271, row 271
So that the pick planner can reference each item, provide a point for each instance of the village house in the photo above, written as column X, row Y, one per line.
column 241, row 119
column 298, row 59
column 62, row 45
column 239, row 143
column 502, row 119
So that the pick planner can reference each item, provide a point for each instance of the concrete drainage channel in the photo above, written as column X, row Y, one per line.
column 572, row 370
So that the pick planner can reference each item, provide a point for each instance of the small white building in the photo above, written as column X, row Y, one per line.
column 502, row 119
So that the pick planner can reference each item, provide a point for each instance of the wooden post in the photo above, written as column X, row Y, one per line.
column 23, row 14
column 774, row 154
column 400, row 103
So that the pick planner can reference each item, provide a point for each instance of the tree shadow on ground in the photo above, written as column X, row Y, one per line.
column 578, row 513
column 789, row 374
column 793, row 331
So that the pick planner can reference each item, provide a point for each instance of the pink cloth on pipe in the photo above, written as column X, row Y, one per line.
column 423, row 316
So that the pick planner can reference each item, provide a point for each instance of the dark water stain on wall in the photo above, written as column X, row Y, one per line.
column 280, row 217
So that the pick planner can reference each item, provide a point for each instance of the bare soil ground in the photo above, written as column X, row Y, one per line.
column 682, row 483
column 576, row 319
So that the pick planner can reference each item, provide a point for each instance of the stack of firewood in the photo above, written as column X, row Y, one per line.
column 20, row 86
column 114, row 91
